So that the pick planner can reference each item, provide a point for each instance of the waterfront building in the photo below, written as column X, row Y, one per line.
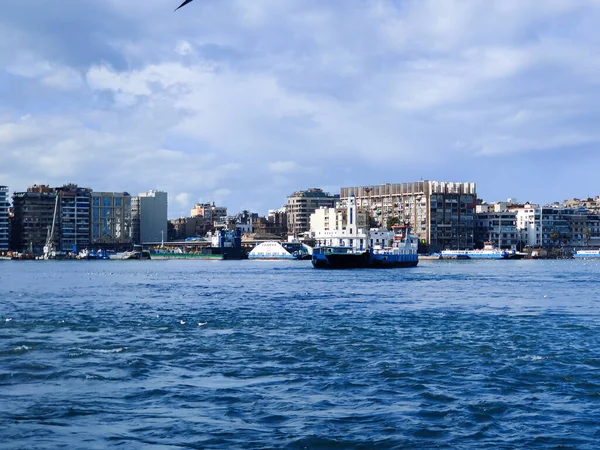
column 186, row 227
column 33, row 216
column 242, row 221
column 440, row 214
column 4, row 220
column 337, row 218
column 496, row 224
column 209, row 211
column 557, row 226
column 591, row 205
column 346, row 226
column 149, row 214
column 275, row 223
column 73, row 218
column 301, row 204
column 111, row 220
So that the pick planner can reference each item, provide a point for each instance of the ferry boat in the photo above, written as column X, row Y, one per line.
column 223, row 244
column 401, row 253
column 356, row 247
column 489, row 251
column 279, row 250
column 580, row 254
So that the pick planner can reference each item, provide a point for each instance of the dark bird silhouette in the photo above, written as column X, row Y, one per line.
column 183, row 4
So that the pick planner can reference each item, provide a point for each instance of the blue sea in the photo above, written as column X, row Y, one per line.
column 257, row 354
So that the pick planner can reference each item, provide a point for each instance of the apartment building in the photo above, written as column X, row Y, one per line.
column 209, row 211
column 441, row 214
column 187, row 227
column 336, row 219
column 111, row 220
column 4, row 220
column 498, row 225
column 73, row 218
column 33, row 217
column 301, row 204
column 149, row 214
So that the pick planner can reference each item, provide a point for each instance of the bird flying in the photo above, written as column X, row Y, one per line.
column 183, row 4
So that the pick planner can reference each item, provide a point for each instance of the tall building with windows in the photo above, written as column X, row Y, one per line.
column 497, row 224
column 301, row 204
column 111, row 220
column 4, row 219
column 74, row 218
column 149, row 213
column 441, row 214
column 34, row 212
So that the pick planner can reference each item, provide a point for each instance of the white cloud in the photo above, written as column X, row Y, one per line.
column 236, row 99
column 184, row 48
column 282, row 167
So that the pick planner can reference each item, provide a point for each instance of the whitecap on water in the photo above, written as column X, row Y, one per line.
column 103, row 350
column 22, row 348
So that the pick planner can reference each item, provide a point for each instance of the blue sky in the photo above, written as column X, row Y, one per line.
column 245, row 102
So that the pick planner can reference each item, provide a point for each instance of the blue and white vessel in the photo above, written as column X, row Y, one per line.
column 489, row 251
column 359, row 247
column 586, row 254
column 401, row 253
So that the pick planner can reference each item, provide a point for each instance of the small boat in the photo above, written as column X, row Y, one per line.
column 133, row 254
column 489, row 251
column 586, row 254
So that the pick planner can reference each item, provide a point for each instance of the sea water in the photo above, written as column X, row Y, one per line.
column 256, row 354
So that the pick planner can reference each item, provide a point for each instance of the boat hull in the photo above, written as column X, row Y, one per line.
column 590, row 255
column 473, row 255
column 208, row 253
column 185, row 256
column 364, row 260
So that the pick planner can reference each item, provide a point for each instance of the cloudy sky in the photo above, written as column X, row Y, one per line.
column 243, row 102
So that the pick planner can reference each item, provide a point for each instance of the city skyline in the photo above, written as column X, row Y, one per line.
column 244, row 103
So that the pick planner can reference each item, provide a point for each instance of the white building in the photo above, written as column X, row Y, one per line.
column 529, row 225
column 4, row 220
column 149, row 211
column 347, row 227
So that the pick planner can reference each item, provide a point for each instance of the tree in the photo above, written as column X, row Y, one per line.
column 554, row 237
column 588, row 236
column 392, row 221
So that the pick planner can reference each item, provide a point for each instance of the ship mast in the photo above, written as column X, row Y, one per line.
column 49, row 247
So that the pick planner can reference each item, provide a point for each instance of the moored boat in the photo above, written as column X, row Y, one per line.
column 586, row 254
column 222, row 245
column 276, row 250
column 401, row 253
column 355, row 247
column 489, row 251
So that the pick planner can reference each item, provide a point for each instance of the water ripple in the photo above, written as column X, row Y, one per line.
column 446, row 355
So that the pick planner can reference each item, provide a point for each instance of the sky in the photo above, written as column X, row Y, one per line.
column 244, row 102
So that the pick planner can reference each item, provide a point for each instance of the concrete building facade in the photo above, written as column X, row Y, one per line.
column 33, row 216
column 274, row 223
column 149, row 213
column 347, row 226
column 74, row 218
column 4, row 220
column 301, row 204
column 441, row 214
column 111, row 221
column 209, row 211
column 497, row 225
column 186, row 227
